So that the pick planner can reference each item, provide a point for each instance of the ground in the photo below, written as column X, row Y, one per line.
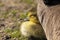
column 12, row 14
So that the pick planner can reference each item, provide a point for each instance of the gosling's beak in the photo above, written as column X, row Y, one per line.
column 26, row 19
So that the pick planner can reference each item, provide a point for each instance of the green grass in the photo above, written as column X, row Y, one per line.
column 15, row 34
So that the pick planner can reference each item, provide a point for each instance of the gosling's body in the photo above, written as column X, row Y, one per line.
column 32, row 29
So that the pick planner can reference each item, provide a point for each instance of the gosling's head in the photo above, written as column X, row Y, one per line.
column 32, row 17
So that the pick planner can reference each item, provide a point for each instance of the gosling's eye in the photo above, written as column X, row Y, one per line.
column 32, row 16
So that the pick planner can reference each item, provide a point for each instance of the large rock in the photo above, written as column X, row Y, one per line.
column 49, row 17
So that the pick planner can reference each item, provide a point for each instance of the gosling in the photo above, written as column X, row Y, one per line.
column 32, row 28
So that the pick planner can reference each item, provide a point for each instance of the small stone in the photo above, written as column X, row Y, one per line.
column 2, row 19
column 7, row 37
column 2, row 24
